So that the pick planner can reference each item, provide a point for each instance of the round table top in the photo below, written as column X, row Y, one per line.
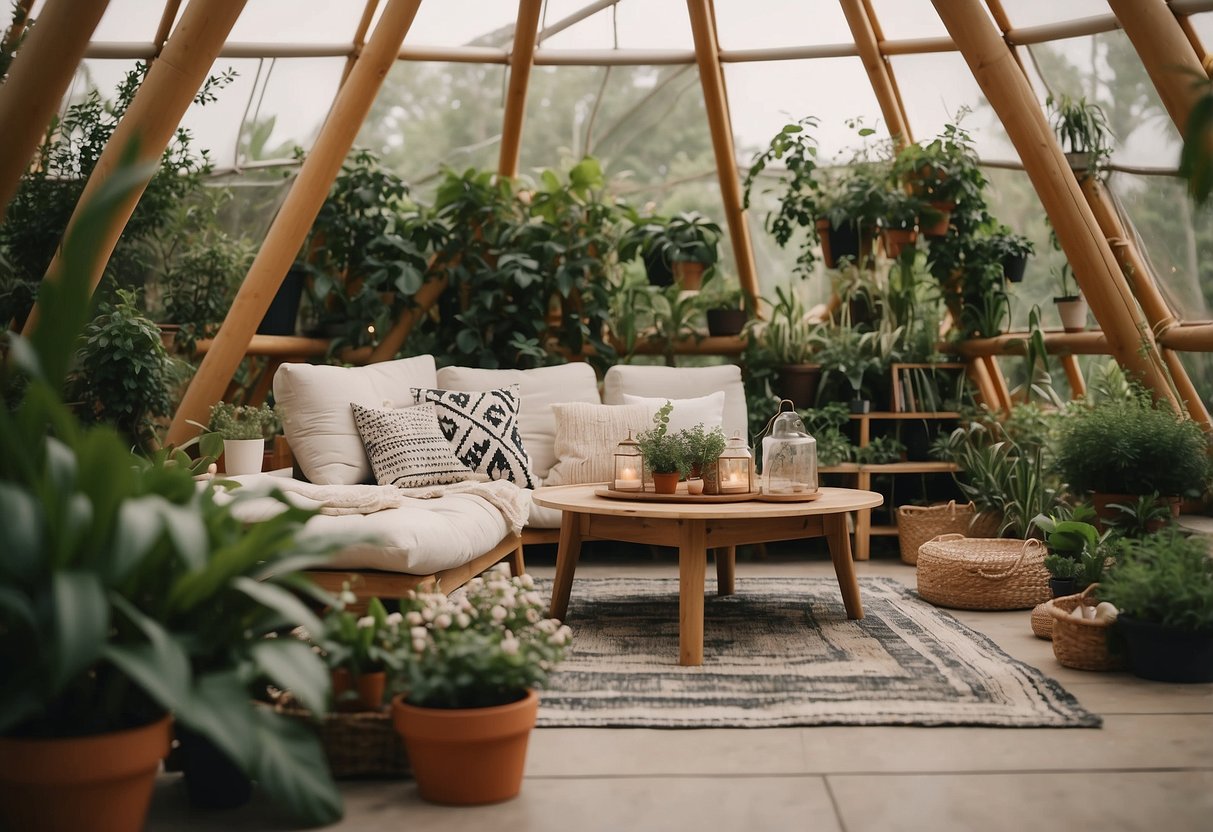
column 581, row 498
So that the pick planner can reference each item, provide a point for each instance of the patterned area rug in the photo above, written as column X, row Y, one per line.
column 782, row 652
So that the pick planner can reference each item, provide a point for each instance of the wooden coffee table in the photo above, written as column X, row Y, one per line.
column 694, row 528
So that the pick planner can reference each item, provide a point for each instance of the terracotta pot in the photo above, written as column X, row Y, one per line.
column 1073, row 312
column 895, row 239
column 938, row 222
column 1102, row 502
column 799, row 383
column 102, row 783
column 665, row 483
column 467, row 756
column 688, row 274
column 370, row 688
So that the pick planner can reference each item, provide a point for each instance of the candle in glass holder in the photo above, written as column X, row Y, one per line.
column 628, row 480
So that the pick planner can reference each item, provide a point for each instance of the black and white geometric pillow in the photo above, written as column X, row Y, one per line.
column 482, row 428
column 406, row 447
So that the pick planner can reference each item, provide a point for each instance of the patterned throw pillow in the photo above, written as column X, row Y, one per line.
column 406, row 447
column 482, row 428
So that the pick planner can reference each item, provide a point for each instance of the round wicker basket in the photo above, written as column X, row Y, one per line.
column 971, row 573
column 1082, row 645
column 1042, row 621
column 918, row 524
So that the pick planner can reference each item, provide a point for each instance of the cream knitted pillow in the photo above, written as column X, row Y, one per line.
column 587, row 436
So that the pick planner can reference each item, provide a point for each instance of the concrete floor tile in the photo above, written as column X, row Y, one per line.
column 1176, row 801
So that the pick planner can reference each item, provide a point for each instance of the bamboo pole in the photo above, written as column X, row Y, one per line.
column 290, row 226
column 364, row 24
column 879, row 72
column 1091, row 342
column 711, row 77
column 1193, row 37
column 1165, row 52
column 986, row 394
column 522, row 57
column 1095, row 268
column 152, row 118
column 37, row 79
column 1078, row 384
column 1190, row 337
column 166, row 23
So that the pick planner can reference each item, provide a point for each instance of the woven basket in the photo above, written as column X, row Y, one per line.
column 918, row 524
column 1082, row 645
column 972, row 573
column 362, row 744
column 1042, row 621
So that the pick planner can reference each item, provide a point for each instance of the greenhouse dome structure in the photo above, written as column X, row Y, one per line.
column 469, row 277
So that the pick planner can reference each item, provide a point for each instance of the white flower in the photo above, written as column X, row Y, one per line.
column 394, row 619
column 532, row 615
column 428, row 614
column 509, row 645
column 442, row 621
column 463, row 620
column 366, row 622
column 346, row 597
column 419, row 645
column 498, row 612
column 526, row 581
column 413, row 618
column 417, row 632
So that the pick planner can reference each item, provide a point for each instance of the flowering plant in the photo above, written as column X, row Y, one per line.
column 361, row 644
column 485, row 646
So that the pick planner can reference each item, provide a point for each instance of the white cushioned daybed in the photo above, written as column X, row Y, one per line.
column 567, row 433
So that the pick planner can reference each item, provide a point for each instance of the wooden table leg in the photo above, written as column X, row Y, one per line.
column 692, row 563
column 566, row 563
column 840, row 553
column 726, row 565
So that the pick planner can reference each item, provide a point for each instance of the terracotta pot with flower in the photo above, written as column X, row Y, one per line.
column 360, row 651
column 471, row 665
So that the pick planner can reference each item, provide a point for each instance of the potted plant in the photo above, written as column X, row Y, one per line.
column 359, row 650
column 701, row 448
column 850, row 207
column 899, row 218
column 1076, row 556
column 1070, row 304
column 787, row 342
column 1011, row 250
column 471, row 666
column 1082, row 129
column 725, row 306
column 113, row 587
column 798, row 194
column 663, row 452
column 244, row 429
column 942, row 173
column 848, row 352
column 1120, row 449
column 687, row 243
column 1162, row 586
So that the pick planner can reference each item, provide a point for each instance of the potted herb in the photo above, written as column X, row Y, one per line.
column 899, row 218
column 1162, row 586
column 244, row 429
column 1071, row 305
column 701, row 448
column 663, row 452
column 471, row 666
column 725, row 306
column 1082, row 129
column 687, row 243
column 1076, row 556
column 1120, row 449
column 788, row 342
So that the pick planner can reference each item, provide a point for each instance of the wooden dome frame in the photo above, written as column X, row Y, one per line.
column 1138, row 327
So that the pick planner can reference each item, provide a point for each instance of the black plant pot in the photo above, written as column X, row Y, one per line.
column 1164, row 654
column 212, row 780
column 1013, row 266
column 860, row 406
column 1063, row 586
column 726, row 321
column 284, row 308
column 799, row 383
column 657, row 269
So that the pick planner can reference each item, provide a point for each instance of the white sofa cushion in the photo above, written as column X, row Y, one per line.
column 314, row 400
column 682, row 383
column 685, row 413
column 587, row 436
column 539, row 389
column 406, row 447
column 482, row 427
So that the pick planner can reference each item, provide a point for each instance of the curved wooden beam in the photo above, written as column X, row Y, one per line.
column 522, row 57
column 295, row 218
column 37, row 79
column 880, row 74
column 1165, row 52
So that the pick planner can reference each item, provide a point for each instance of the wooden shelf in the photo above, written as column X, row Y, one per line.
column 891, row 468
column 883, row 414
column 883, row 531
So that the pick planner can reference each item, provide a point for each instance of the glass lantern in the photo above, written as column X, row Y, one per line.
column 735, row 468
column 629, row 466
column 789, row 458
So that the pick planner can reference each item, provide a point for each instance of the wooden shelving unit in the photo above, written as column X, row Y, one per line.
column 862, row 474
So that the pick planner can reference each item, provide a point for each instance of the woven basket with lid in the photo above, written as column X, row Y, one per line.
column 1082, row 645
column 974, row 573
column 918, row 524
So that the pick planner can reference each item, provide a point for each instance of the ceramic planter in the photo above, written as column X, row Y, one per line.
column 689, row 274
column 896, row 239
column 243, row 456
column 938, row 222
column 467, row 756
column 102, row 783
column 726, row 321
column 1164, row 654
column 1073, row 312
column 799, row 383
column 369, row 688
column 665, row 483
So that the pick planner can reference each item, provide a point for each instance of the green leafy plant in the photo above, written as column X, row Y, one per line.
column 127, row 591
column 850, row 354
column 788, row 337
column 1196, row 160
column 799, row 191
column 688, row 236
column 663, row 451
column 1165, row 578
column 700, row 446
column 881, row 450
column 362, row 643
column 1131, row 446
column 826, row 425
column 233, row 421
column 944, row 169
column 1082, row 128
column 483, row 648
column 1076, row 549
column 1137, row 518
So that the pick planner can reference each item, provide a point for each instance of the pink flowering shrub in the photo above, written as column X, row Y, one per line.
column 362, row 644
column 484, row 646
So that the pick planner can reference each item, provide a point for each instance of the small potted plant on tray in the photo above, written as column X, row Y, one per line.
column 1076, row 556
column 663, row 452
column 244, row 429
column 700, row 448
column 472, row 662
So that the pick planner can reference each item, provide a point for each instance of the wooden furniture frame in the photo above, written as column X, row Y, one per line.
column 695, row 528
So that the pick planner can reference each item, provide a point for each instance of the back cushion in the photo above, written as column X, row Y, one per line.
column 681, row 383
column 539, row 389
column 314, row 403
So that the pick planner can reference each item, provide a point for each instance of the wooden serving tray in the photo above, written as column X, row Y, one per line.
column 681, row 496
column 803, row 497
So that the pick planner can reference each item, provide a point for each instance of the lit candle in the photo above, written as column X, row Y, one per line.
column 733, row 481
column 628, row 479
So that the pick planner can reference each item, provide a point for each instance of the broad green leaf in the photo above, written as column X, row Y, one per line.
column 82, row 619
column 292, row 610
column 221, row 710
column 161, row 666
column 291, row 665
column 138, row 528
column 21, row 532
column 19, row 608
column 292, row 769
column 188, row 531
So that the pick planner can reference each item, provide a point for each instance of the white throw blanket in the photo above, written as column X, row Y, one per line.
column 513, row 502
column 345, row 499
